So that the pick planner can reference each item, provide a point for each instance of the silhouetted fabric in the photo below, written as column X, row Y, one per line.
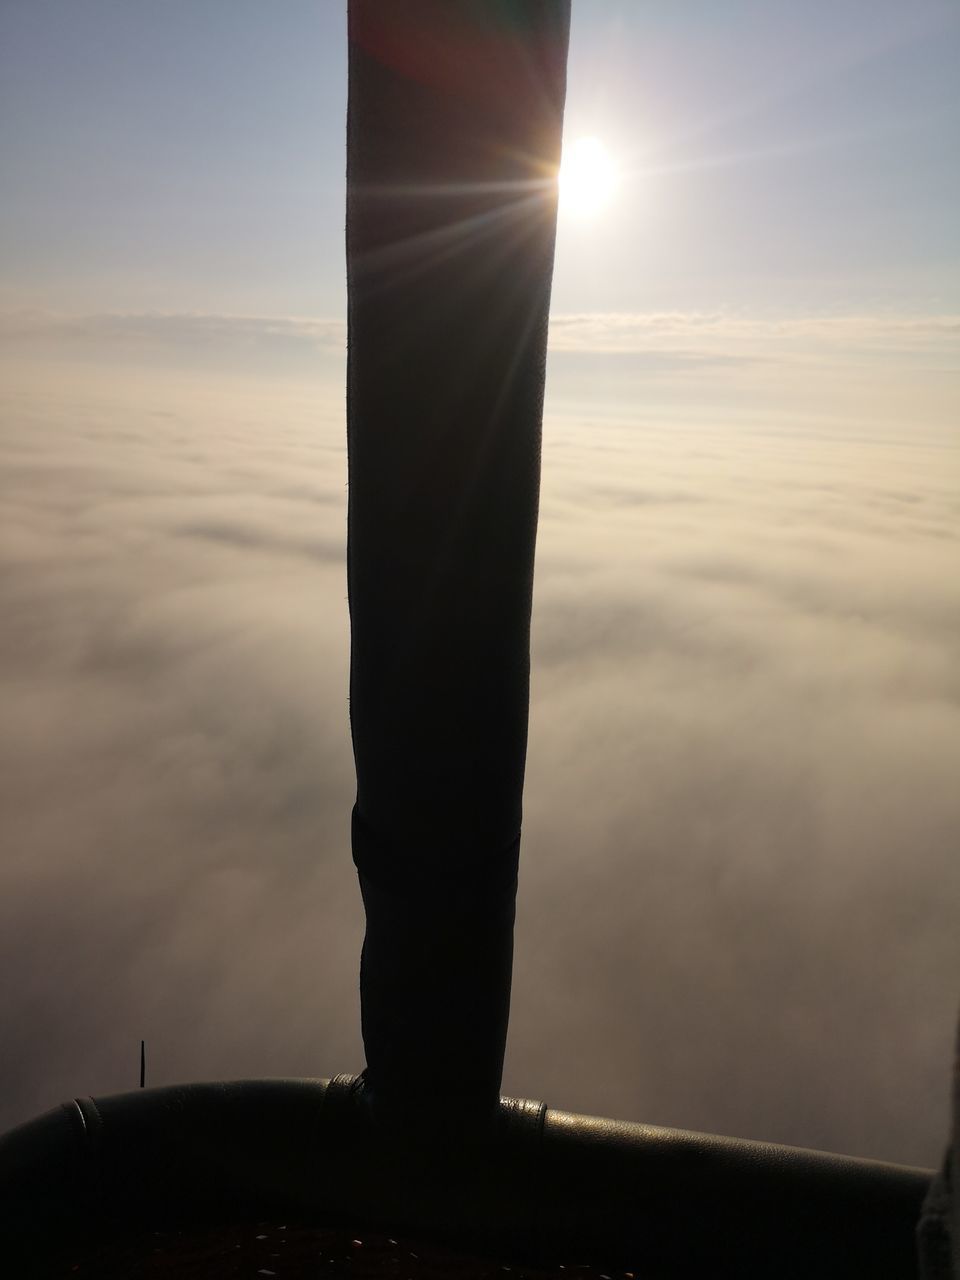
column 454, row 123
column 938, row 1232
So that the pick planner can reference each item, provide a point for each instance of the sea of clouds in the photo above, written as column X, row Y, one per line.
column 740, row 896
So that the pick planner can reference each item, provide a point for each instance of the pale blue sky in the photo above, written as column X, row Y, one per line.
column 187, row 156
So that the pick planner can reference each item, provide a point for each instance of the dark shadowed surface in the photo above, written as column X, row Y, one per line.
column 535, row 1184
column 292, row 1251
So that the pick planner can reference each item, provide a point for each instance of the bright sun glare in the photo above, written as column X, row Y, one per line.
column 589, row 177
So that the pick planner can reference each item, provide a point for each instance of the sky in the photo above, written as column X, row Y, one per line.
column 739, row 895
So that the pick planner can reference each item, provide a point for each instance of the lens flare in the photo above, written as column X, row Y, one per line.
column 589, row 178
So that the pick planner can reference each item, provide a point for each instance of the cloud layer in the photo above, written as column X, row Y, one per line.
column 722, row 335
column 176, row 767
column 739, row 892
column 741, row 886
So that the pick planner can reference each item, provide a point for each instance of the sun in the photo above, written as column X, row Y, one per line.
column 589, row 177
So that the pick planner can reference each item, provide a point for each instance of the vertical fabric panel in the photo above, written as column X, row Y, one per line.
column 454, row 125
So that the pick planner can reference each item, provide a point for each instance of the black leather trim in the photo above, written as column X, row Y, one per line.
column 536, row 1184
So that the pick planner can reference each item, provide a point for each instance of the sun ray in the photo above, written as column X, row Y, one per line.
column 589, row 177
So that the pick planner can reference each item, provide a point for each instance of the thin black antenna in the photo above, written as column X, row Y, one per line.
column 143, row 1064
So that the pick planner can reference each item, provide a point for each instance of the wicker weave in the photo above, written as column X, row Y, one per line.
column 294, row 1252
